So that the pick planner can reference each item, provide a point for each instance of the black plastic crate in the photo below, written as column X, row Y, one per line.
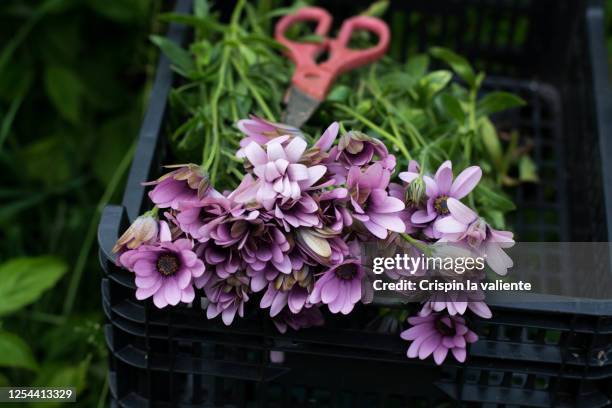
column 536, row 354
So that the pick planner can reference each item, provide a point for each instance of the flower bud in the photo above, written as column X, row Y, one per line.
column 144, row 230
column 415, row 194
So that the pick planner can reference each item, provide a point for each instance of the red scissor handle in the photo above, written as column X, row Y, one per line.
column 315, row 80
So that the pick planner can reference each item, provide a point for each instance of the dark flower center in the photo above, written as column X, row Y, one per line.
column 346, row 272
column 168, row 264
column 443, row 329
column 440, row 205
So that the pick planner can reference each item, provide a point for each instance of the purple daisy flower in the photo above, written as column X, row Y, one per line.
column 302, row 212
column 340, row 287
column 333, row 211
column 261, row 131
column 220, row 261
column 456, row 303
column 436, row 334
column 371, row 203
column 198, row 218
column 464, row 225
column 442, row 187
column 307, row 317
column 227, row 297
column 280, row 175
column 164, row 271
column 188, row 183
column 288, row 290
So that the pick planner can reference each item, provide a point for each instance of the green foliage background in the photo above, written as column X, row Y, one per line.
column 74, row 76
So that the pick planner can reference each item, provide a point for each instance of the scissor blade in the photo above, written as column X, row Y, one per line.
column 300, row 107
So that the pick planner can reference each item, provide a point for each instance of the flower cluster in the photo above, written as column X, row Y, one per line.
column 290, row 235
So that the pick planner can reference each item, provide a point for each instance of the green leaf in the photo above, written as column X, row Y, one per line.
column 496, row 102
column 47, row 160
column 4, row 382
column 376, row 9
column 459, row 64
column 23, row 280
column 434, row 82
column 179, row 57
column 492, row 199
column 64, row 90
column 491, row 142
column 495, row 218
column 417, row 65
column 15, row 352
column 528, row 171
column 339, row 93
column 452, row 107
column 56, row 375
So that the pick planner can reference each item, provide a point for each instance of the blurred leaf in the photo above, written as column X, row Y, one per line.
column 491, row 142
column 376, row 9
column 123, row 11
column 179, row 57
column 46, row 160
column 23, row 280
column 528, row 170
column 339, row 93
column 452, row 107
column 4, row 382
column 14, row 352
column 459, row 64
column 495, row 218
column 434, row 82
column 417, row 65
column 497, row 101
column 56, row 375
column 114, row 139
column 64, row 90
column 492, row 199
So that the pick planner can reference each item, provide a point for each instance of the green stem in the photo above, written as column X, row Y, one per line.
column 418, row 244
column 260, row 101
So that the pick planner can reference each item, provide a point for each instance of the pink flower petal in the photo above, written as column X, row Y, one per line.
column 440, row 354
column 229, row 314
column 444, row 177
column 255, row 154
column 171, row 291
column 144, row 293
column 275, row 151
column 329, row 290
column 422, row 217
column 459, row 354
column 279, row 302
column 449, row 225
column 297, row 171
column 460, row 211
column 159, row 298
column 328, row 137
column 295, row 149
column 429, row 346
column 465, row 182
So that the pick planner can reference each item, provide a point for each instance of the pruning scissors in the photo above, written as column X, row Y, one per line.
column 311, row 81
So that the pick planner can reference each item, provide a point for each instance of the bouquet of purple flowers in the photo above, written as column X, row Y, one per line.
column 292, row 233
